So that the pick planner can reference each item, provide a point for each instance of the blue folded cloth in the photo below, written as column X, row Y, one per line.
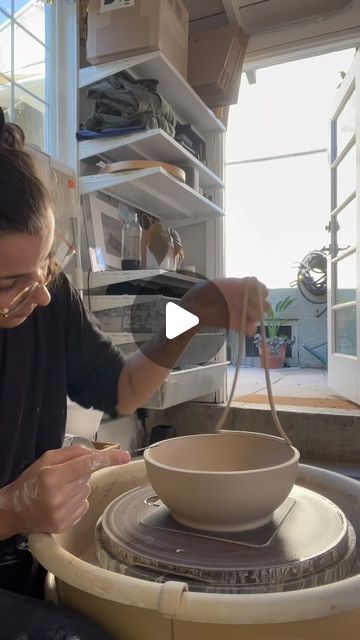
column 88, row 134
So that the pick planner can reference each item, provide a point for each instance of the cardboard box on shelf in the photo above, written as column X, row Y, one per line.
column 216, row 58
column 144, row 26
column 223, row 114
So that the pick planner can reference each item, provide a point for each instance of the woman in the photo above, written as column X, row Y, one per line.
column 51, row 347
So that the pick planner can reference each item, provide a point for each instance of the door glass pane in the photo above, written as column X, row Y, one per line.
column 6, row 5
column 5, row 95
column 346, row 279
column 346, row 232
column 29, row 59
column 33, row 19
column 33, row 79
column 5, row 50
column 3, row 17
column 30, row 114
column 345, row 331
column 22, row 5
column 18, row 5
column 346, row 176
column 346, row 124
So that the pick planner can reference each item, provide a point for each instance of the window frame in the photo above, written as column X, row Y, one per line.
column 63, row 64
column 51, row 74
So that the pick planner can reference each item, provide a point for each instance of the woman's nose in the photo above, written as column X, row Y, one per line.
column 41, row 296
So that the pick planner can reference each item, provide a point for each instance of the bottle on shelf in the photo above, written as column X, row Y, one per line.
column 131, row 243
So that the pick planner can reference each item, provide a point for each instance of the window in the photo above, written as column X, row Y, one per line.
column 23, row 55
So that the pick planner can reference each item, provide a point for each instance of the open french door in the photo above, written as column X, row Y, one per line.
column 344, row 261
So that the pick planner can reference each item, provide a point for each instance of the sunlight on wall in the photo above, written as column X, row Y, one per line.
column 276, row 210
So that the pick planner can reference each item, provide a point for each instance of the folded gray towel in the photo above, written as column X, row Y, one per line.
column 121, row 102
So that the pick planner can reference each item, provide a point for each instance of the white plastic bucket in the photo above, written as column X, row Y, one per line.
column 132, row 609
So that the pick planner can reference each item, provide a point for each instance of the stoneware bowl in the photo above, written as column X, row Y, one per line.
column 230, row 481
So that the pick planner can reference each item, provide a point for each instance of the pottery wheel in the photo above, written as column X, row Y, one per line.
column 308, row 543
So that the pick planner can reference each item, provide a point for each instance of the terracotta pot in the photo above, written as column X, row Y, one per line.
column 275, row 360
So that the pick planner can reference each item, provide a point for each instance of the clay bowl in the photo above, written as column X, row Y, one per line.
column 231, row 481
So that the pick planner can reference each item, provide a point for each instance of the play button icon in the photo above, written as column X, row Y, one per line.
column 178, row 320
column 142, row 311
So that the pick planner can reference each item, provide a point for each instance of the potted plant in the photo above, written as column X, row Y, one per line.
column 275, row 343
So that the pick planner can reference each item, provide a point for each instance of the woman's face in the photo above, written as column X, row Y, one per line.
column 24, row 260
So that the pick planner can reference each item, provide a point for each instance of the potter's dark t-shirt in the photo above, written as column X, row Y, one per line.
column 58, row 351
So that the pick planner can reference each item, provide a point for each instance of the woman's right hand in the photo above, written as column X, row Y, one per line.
column 51, row 495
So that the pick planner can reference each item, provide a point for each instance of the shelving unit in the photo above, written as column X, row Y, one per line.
column 192, row 382
column 150, row 144
column 186, row 104
column 103, row 279
column 158, row 193
column 154, row 191
column 101, row 303
column 120, row 338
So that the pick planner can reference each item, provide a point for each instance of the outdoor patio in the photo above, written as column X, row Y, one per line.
column 292, row 387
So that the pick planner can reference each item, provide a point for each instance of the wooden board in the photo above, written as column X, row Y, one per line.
column 131, row 165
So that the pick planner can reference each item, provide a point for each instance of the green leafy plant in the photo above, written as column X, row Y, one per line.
column 273, row 317
column 274, row 322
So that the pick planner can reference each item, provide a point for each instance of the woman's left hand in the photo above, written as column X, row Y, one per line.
column 220, row 303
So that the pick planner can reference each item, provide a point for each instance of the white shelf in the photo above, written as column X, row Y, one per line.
column 187, row 105
column 124, row 337
column 105, row 278
column 201, row 348
column 153, row 144
column 154, row 191
column 190, row 384
column 102, row 303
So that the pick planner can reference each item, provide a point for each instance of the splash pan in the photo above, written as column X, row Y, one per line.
column 308, row 543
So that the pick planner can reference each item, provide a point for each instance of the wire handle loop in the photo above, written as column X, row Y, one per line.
column 225, row 413
column 274, row 414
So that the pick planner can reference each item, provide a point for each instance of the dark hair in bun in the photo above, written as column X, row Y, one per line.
column 24, row 198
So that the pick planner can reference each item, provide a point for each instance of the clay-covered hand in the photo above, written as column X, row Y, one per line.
column 220, row 303
column 51, row 495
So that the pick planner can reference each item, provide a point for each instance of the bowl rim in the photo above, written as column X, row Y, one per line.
column 294, row 458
